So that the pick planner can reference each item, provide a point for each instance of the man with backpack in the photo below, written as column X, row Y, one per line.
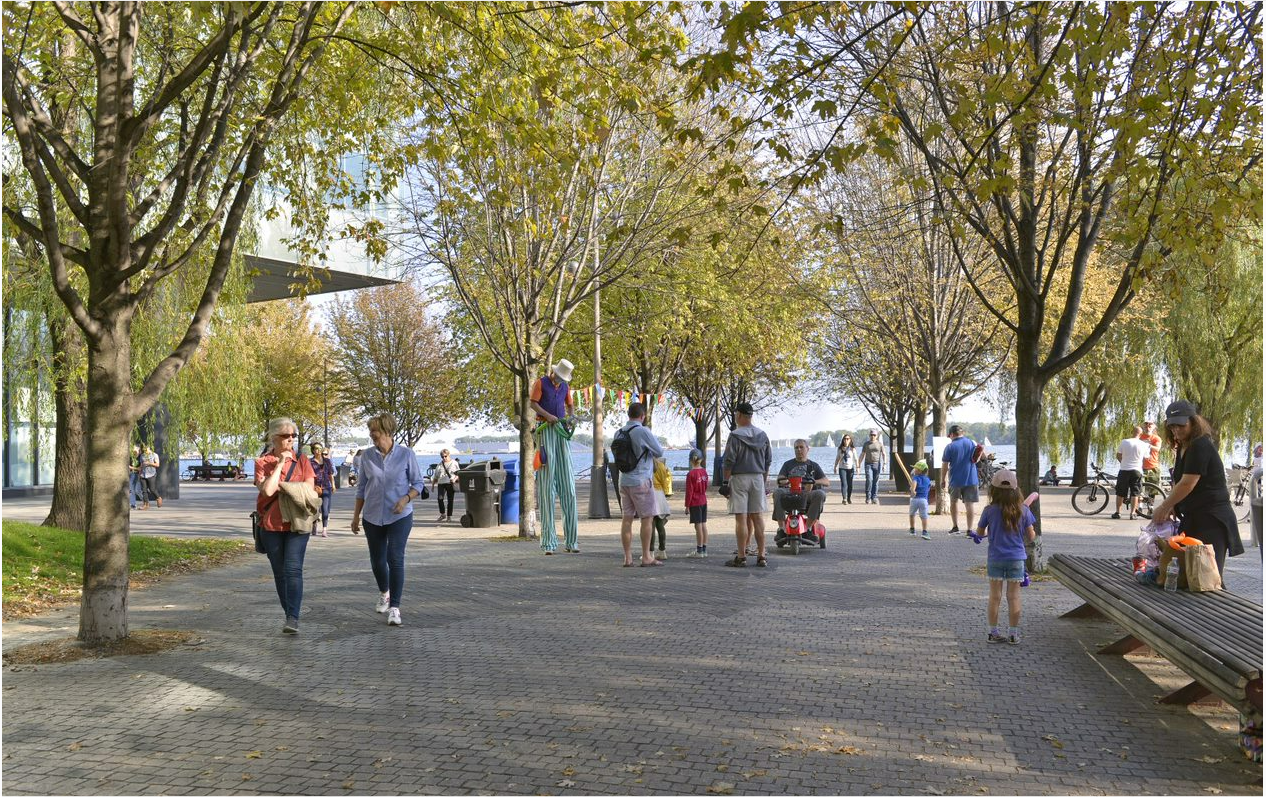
column 958, row 467
column 635, row 449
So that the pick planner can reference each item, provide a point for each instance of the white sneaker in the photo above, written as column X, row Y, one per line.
column 695, row 555
column 661, row 555
column 393, row 617
column 384, row 600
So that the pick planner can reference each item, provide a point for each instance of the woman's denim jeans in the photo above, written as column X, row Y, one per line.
column 327, row 498
column 872, row 481
column 285, row 554
column 846, row 483
column 386, row 555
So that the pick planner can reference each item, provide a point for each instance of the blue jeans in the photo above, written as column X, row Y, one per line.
column 846, row 483
column 285, row 554
column 326, row 498
column 134, row 488
column 872, row 481
column 386, row 555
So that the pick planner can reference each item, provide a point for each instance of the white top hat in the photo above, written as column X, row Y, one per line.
column 563, row 368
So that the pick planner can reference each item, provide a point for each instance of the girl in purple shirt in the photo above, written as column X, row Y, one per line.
column 1007, row 523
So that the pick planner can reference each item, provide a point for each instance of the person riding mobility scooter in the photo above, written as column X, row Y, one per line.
column 797, row 504
column 796, row 529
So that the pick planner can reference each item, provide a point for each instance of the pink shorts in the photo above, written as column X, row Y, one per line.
column 637, row 500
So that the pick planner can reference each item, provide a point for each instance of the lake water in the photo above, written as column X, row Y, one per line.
column 677, row 459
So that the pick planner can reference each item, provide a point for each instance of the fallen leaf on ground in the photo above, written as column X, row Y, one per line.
column 723, row 767
column 73, row 746
column 1212, row 789
column 255, row 754
column 721, row 787
column 1208, row 759
column 565, row 784
column 849, row 749
column 567, row 773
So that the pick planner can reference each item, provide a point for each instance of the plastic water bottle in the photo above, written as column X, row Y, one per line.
column 1171, row 576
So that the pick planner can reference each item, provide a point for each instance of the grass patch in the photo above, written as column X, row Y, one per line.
column 43, row 566
column 511, row 538
column 981, row 571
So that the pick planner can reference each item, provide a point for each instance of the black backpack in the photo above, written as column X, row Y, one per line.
column 622, row 451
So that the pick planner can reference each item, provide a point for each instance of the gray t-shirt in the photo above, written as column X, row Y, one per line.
column 873, row 452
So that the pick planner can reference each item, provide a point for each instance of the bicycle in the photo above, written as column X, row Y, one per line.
column 1240, row 493
column 1092, row 497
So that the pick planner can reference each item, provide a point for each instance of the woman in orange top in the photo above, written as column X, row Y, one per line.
column 285, row 546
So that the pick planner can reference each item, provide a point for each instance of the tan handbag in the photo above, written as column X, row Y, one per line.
column 1202, row 568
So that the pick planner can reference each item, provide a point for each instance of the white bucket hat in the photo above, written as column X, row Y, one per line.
column 563, row 368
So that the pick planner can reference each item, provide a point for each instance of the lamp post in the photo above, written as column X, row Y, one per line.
column 325, row 399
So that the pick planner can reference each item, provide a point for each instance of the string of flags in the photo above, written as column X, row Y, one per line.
column 612, row 397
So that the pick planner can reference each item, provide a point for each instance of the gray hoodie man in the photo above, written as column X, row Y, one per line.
column 748, row 451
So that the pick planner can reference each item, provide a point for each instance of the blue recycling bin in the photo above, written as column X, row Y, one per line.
column 510, row 492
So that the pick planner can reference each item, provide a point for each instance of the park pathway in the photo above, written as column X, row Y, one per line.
column 856, row 670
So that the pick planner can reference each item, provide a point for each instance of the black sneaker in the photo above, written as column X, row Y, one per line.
column 955, row 530
column 1116, row 515
column 291, row 626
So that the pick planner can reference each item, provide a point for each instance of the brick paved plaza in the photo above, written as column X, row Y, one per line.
column 856, row 670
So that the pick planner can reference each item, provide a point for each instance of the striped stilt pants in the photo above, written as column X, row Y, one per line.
column 555, row 477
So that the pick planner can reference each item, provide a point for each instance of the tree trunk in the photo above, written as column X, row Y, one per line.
column 1028, row 427
column 701, row 433
column 939, row 424
column 527, row 453
column 70, row 478
column 103, row 609
column 1081, row 456
column 919, row 428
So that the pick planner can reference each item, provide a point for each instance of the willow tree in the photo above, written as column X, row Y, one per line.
column 184, row 103
column 1213, row 336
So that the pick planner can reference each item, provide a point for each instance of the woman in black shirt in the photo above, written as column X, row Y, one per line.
column 1200, row 497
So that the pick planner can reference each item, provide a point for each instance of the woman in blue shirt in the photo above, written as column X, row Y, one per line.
column 389, row 481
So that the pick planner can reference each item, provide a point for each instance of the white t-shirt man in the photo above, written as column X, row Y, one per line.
column 1132, row 453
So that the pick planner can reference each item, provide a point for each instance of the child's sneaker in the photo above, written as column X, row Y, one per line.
column 912, row 532
column 926, row 536
column 1014, row 639
column 994, row 637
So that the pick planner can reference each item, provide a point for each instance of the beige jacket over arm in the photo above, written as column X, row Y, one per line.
column 300, row 505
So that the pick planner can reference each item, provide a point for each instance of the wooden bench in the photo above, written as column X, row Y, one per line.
column 1215, row 637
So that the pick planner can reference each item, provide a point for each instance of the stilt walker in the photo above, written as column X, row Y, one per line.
column 551, row 399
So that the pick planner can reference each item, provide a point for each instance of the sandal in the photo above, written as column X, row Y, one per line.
column 760, row 562
column 737, row 561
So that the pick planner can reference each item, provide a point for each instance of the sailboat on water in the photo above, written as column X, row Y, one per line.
column 986, row 443
column 830, row 443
